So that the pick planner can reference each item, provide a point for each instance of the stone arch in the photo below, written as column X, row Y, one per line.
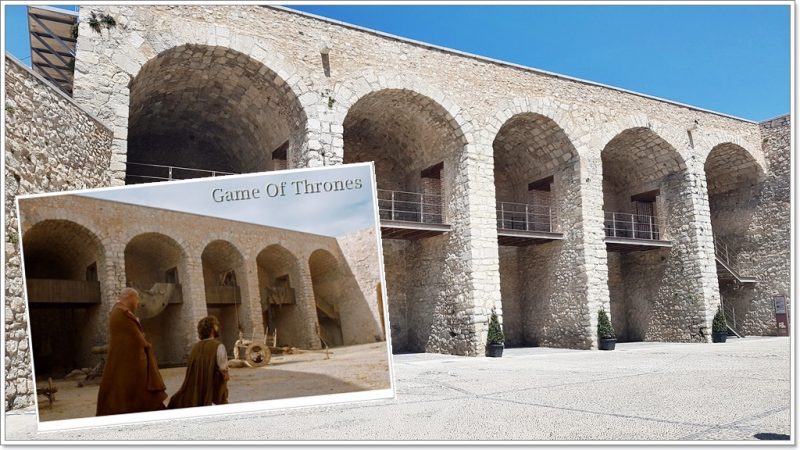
column 153, row 259
column 647, row 182
column 343, row 312
column 419, row 140
column 537, row 186
column 64, row 264
column 280, row 286
column 225, row 282
column 634, row 161
column 349, row 92
column 546, row 107
column 707, row 141
column 728, row 165
column 327, row 281
column 734, row 180
column 213, row 109
column 676, row 138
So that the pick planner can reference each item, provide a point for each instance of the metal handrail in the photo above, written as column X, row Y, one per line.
column 173, row 172
column 524, row 217
column 636, row 226
column 730, row 317
column 407, row 206
column 721, row 250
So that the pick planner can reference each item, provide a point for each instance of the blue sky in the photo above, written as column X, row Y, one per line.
column 326, row 213
column 731, row 59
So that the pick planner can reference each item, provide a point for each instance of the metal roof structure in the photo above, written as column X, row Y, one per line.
column 53, row 37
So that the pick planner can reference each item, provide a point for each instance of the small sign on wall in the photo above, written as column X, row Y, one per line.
column 781, row 316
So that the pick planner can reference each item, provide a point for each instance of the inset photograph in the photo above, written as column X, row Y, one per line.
column 220, row 291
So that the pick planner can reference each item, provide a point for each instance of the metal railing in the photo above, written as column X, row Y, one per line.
column 524, row 217
column 410, row 206
column 722, row 251
column 149, row 173
column 635, row 226
column 730, row 318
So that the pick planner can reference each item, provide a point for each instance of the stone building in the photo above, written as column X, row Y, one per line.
column 79, row 252
column 546, row 197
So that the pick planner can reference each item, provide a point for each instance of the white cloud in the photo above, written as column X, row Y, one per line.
column 331, row 213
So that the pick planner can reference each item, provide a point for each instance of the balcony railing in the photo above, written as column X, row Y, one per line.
column 149, row 173
column 410, row 206
column 223, row 295
column 524, row 217
column 62, row 291
column 633, row 226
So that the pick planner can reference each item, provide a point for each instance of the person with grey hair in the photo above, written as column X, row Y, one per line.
column 131, row 381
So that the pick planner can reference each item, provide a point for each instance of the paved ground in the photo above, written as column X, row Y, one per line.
column 641, row 391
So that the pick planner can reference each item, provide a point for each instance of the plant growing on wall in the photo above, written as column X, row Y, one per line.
column 98, row 22
column 604, row 328
column 495, row 330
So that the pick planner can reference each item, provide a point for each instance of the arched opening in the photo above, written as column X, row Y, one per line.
column 415, row 146
column 224, row 276
column 646, row 205
column 64, row 262
column 156, row 263
column 198, row 111
column 279, row 282
column 537, row 186
column 343, row 311
column 329, row 296
column 734, row 179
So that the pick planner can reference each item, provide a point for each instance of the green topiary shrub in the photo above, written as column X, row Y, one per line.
column 719, row 325
column 604, row 328
column 495, row 330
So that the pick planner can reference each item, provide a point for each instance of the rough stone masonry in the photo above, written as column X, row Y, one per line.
column 545, row 197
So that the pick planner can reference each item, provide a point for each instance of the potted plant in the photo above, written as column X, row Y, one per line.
column 719, row 328
column 605, row 331
column 494, row 342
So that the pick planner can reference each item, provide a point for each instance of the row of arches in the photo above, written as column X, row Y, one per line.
column 71, row 276
column 216, row 109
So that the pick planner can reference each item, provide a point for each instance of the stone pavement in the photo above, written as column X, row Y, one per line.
column 641, row 391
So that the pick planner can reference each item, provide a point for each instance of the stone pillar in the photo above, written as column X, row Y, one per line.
column 251, row 300
column 593, row 263
column 194, row 302
column 700, row 253
column 304, row 296
column 474, row 265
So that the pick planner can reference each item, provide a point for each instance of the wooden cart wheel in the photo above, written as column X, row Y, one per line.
column 257, row 355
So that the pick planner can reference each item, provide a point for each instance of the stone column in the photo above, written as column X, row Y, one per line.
column 194, row 302
column 593, row 262
column 700, row 252
column 251, row 300
column 474, row 263
column 306, row 304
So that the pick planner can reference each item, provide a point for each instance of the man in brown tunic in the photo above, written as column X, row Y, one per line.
column 207, row 373
column 131, row 380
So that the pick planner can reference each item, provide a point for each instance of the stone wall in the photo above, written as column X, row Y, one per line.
column 755, row 220
column 52, row 144
column 465, row 99
column 362, row 279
